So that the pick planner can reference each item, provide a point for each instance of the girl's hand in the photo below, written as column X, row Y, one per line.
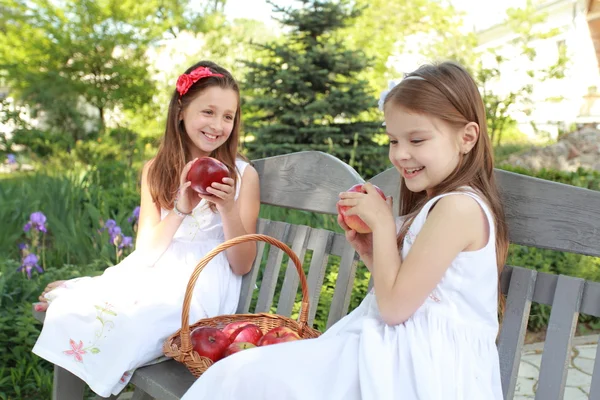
column 361, row 242
column 187, row 198
column 222, row 195
column 370, row 207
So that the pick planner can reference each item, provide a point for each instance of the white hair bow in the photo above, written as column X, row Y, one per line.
column 384, row 93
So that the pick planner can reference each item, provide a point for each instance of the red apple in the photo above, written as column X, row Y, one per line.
column 248, row 333
column 236, row 347
column 209, row 342
column 354, row 221
column 204, row 171
column 232, row 327
column 280, row 334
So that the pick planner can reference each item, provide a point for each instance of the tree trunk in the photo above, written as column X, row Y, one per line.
column 101, row 111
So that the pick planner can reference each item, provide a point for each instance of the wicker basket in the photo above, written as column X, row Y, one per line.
column 179, row 345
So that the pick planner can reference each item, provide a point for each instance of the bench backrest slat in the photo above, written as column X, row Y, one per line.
column 590, row 304
column 298, row 244
column 249, row 280
column 557, row 348
column 514, row 325
column 545, row 288
column 344, row 283
column 271, row 271
column 320, row 242
column 595, row 386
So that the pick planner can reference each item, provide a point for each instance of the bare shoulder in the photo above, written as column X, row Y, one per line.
column 458, row 205
column 462, row 213
column 148, row 164
column 250, row 174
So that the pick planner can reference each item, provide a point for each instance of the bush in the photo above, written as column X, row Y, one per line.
column 23, row 375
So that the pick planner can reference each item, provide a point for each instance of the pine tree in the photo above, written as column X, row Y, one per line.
column 305, row 93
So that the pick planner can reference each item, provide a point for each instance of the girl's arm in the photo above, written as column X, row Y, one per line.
column 154, row 235
column 456, row 223
column 241, row 220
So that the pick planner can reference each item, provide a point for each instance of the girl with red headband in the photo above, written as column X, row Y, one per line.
column 101, row 329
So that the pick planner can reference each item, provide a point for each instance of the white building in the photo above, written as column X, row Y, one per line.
column 557, row 103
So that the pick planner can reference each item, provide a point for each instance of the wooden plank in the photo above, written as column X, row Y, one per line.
column 514, row 325
column 167, row 380
column 320, row 242
column 299, row 235
column 66, row 386
column 139, row 394
column 590, row 304
column 270, row 275
column 545, row 288
column 344, row 283
column 551, row 215
column 539, row 213
column 249, row 280
column 307, row 180
column 557, row 348
column 595, row 386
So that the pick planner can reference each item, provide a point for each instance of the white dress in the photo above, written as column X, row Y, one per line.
column 101, row 329
column 445, row 351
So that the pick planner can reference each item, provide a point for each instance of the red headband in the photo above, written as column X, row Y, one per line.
column 185, row 81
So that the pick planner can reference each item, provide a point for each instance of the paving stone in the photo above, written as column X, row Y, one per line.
column 579, row 374
column 575, row 394
column 587, row 351
column 525, row 386
column 584, row 364
column 533, row 358
column 527, row 370
column 577, row 378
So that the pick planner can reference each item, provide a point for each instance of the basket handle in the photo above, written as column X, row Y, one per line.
column 186, row 343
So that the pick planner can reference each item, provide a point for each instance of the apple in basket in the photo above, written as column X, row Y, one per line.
column 248, row 333
column 237, row 347
column 353, row 221
column 209, row 342
column 232, row 327
column 204, row 171
column 280, row 334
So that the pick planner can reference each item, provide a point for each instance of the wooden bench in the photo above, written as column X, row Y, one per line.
column 540, row 213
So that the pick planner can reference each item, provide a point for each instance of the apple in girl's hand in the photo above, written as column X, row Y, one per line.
column 232, row 327
column 280, row 334
column 354, row 221
column 209, row 342
column 237, row 347
column 249, row 333
column 204, row 171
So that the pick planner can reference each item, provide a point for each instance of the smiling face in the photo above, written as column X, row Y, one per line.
column 209, row 119
column 424, row 149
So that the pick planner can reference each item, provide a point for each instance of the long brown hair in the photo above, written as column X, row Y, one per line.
column 447, row 91
column 174, row 151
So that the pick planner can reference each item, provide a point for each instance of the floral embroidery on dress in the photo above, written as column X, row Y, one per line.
column 77, row 350
column 125, row 376
column 433, row 297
